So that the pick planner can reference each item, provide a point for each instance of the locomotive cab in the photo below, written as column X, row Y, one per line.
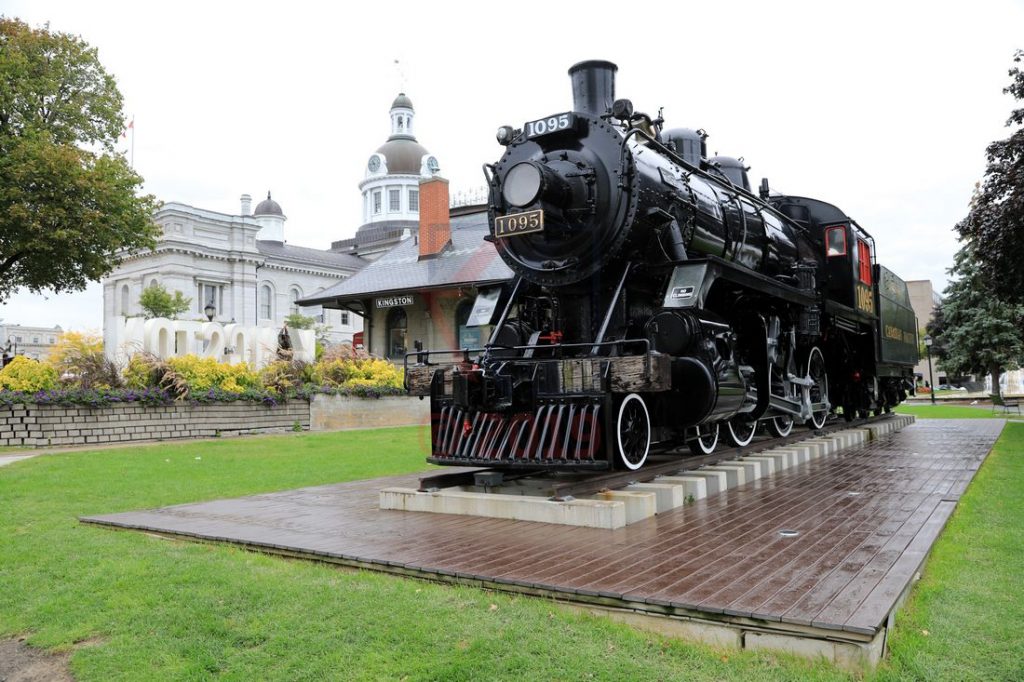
column 848, row 261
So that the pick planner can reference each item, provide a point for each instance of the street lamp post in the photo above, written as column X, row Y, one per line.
column 210, row 311
column 928, row 348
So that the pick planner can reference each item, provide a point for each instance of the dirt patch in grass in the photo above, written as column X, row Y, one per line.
column 21, row 663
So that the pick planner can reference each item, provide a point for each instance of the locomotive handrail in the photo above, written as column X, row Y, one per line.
column 424, row 356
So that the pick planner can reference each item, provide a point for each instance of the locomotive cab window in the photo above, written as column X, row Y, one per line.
column 864, row 261
column 835, row 241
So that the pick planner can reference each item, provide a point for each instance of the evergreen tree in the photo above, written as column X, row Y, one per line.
column 995, row 224
column 982, row 334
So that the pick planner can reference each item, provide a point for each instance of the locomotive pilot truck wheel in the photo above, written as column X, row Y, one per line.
column 633, row 431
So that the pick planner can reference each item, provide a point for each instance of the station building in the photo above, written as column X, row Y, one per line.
column 423, row 288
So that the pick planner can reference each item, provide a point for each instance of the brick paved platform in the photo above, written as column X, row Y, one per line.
column 865, row 519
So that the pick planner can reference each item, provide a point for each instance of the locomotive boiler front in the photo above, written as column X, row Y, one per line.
column 563, row 198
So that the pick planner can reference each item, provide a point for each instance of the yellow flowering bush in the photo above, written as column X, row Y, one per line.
column 202, row 374
column 26, row 374
column 352, row 373
column 73, row 345
column 80, row 363
column 141, row 372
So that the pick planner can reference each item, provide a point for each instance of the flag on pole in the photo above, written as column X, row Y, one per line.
column 130, row 126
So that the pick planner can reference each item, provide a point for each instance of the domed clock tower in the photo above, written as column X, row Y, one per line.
column 391, row 185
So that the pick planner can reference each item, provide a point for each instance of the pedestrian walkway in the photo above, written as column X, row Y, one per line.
column 12, row 458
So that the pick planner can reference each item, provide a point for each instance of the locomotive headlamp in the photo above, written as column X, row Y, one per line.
column 522, row 184
column 505, row 135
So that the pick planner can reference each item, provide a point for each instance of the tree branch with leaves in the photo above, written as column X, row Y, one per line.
column 995, row 223
column 69, row 205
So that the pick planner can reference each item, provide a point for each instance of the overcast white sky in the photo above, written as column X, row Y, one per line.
column 883, row 108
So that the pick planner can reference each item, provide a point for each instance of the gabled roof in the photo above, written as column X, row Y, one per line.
column 469, row 260
column 302, row 254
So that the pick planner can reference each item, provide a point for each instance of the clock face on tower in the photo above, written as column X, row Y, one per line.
column 374, row 164
column 433, row 165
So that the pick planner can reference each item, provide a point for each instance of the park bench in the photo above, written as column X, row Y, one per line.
column 1010, row 402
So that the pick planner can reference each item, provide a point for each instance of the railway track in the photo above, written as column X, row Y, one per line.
column 567, row 485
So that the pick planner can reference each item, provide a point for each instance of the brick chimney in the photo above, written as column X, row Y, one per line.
column 435, row 223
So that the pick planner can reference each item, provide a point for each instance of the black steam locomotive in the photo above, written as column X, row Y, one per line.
column 657, row 301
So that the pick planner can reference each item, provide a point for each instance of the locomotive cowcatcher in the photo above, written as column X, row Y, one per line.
column 657, row 301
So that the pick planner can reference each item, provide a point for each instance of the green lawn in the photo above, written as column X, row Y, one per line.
column 134, row 606
column 956, row 412
column 964, row 617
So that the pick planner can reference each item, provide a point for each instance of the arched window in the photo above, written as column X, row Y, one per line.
column 295, row 295
column 266, row 303
column 126, row 304
column 153, row 283
column 398, row 325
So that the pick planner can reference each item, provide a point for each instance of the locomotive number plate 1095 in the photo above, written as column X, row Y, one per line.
column 551, row 124
column 519, row 223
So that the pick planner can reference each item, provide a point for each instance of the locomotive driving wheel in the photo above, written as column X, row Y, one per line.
column 818, row 390
column 740, row 431
column 780, row 427
column 706, row 439
column 633, row 430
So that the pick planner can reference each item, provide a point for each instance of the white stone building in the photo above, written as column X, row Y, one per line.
column 32, row 342
column 239, row 264
column 242, row 264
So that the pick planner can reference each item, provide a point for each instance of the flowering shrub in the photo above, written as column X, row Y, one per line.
column 89, row 397
column 368, row 372
column 80, row 362
column 199, row 380
column 26, row 374
column 202, row 374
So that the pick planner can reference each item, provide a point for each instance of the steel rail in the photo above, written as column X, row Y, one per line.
column 589, row 484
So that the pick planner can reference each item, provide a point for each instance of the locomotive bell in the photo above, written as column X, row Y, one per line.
column 505, row 135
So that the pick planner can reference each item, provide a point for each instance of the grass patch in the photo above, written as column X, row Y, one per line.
column 955, row 412
column 159, row 609
column 963, row 619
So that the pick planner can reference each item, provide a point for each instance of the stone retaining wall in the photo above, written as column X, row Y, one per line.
column 331, row 412
column 47, row 425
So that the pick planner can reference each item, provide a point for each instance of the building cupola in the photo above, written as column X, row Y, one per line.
column 271, row 218
column 402, row 114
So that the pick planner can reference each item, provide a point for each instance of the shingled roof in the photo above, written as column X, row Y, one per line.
column 308, row 256
column 469, row 260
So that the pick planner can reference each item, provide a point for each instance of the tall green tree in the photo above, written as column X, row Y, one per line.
column 995, row 223
column 982, row 334
column 156, row 301
column 68, row 202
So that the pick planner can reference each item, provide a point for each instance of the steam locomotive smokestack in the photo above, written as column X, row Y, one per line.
column 593, row 86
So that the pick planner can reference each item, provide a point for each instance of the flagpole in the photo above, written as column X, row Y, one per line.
column 133, row 142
